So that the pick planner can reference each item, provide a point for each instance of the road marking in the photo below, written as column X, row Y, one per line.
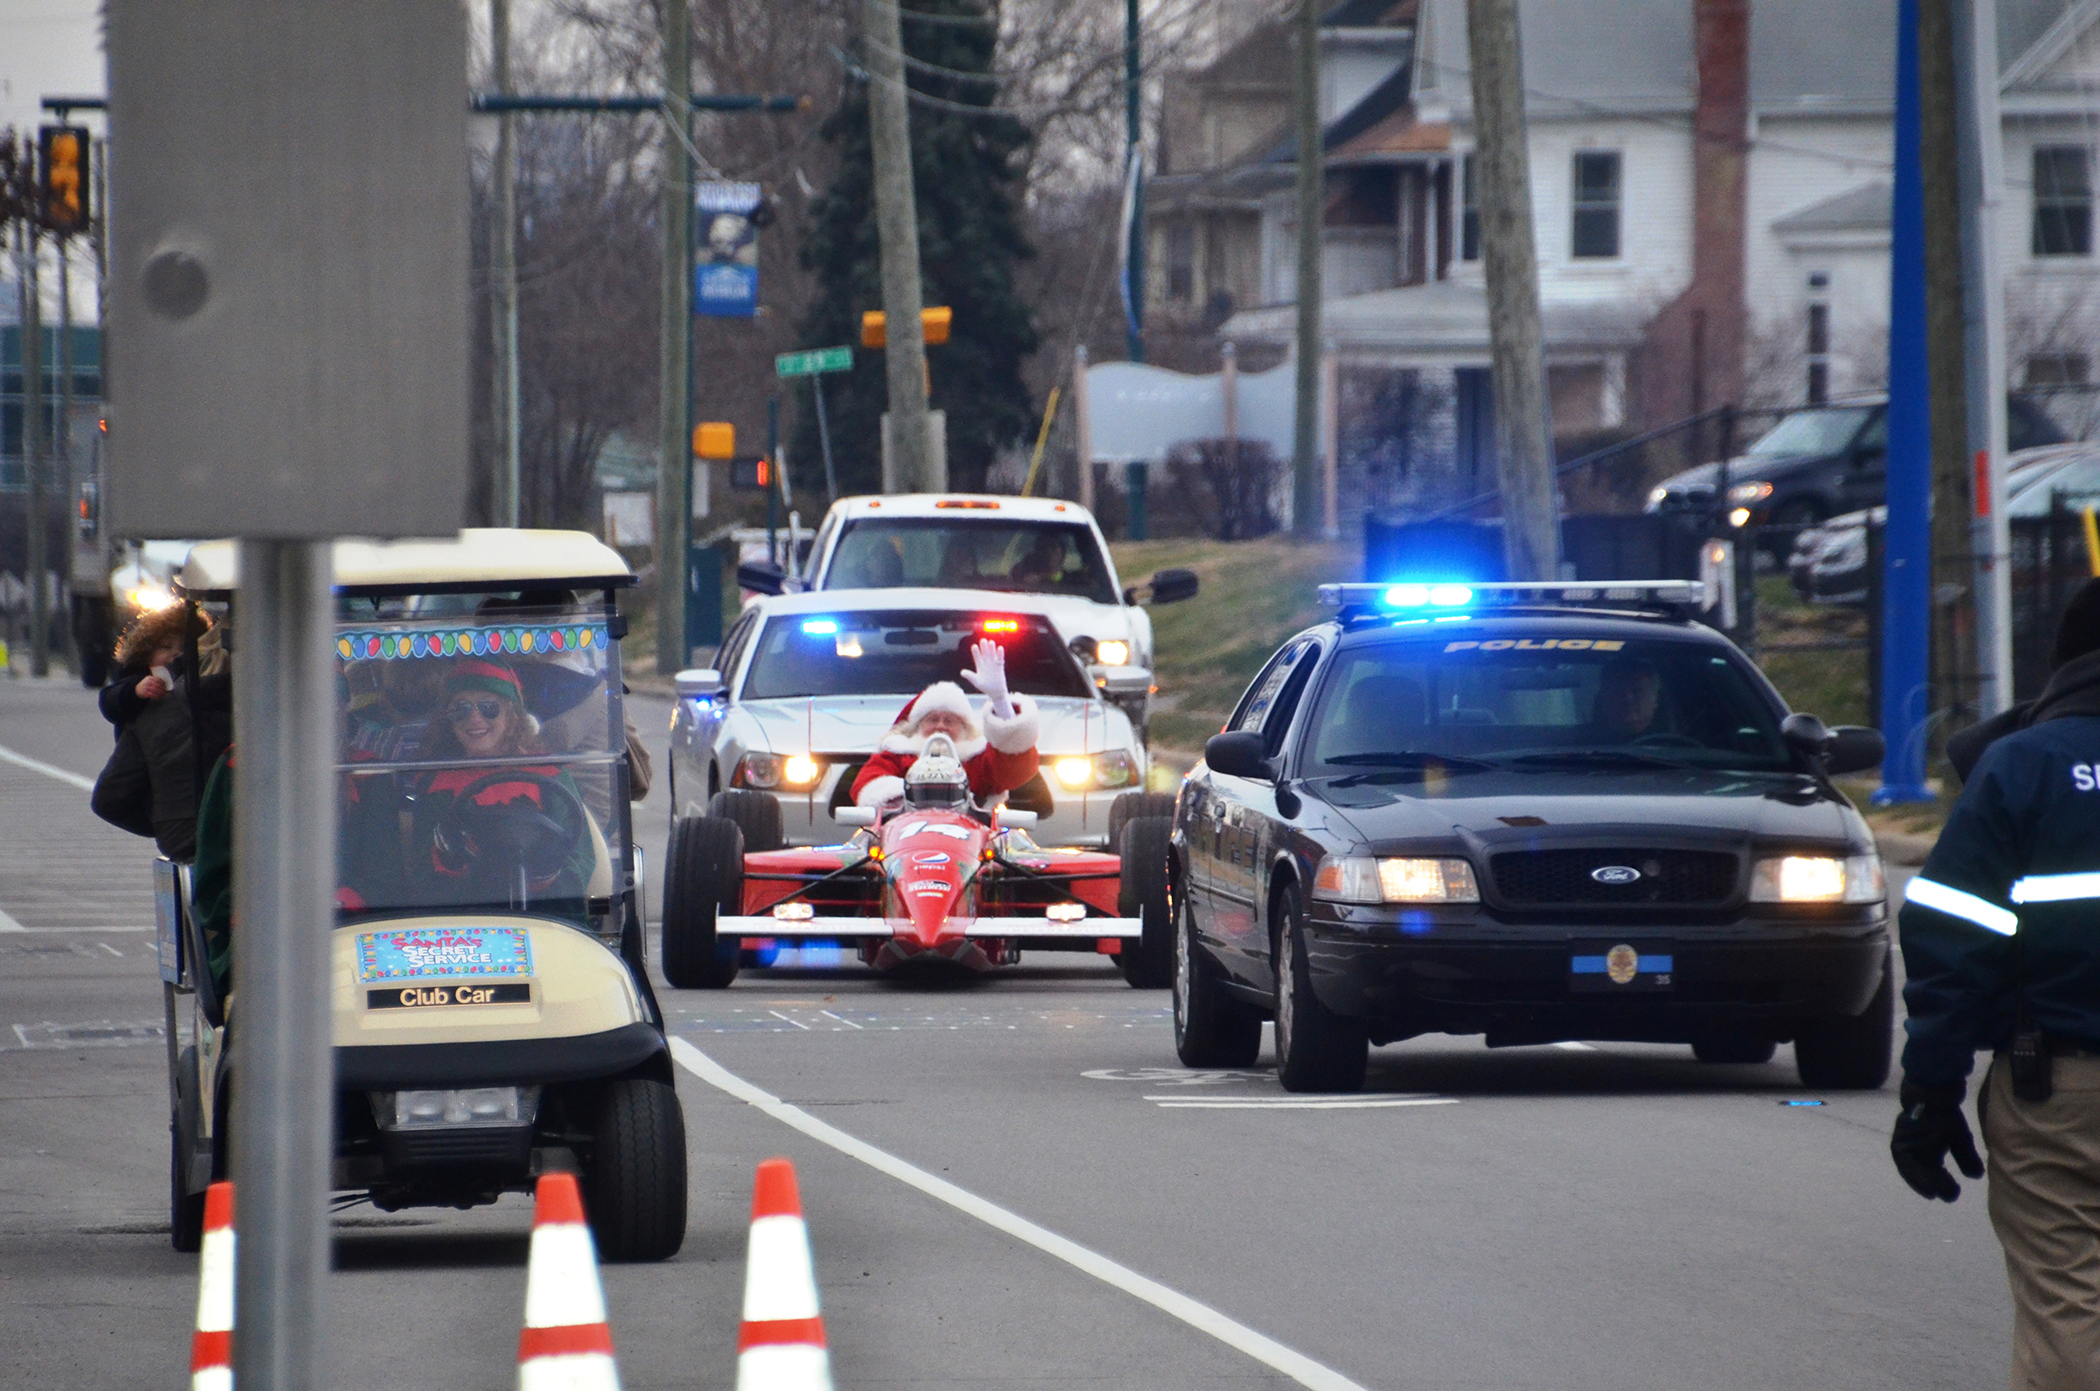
column 8, row 924
column 796, row 1022
column 842, row 1019
column 1573, row 1047
column 1202, row 1317
column 1251, row 1103
column 8, row 755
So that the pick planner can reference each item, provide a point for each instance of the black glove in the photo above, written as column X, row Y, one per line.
column 1929, row 1128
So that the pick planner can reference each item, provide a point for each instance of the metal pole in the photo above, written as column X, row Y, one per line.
column 283, row 885
column 1907, row 591
column 503, row 280
column 909, row 445
column 1134, row 170
column 1305, row 434
column 33, row 453
column 831, row 480
column 1331, row 440
column 772, row 481
column 1982, row 154
column 674, row 379
column 63, row 438
column 1082, row 430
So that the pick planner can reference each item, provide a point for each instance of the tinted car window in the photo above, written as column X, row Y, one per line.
column 902, row 653
column 935, row 552
column 1262, row 694
column 1490, row 700
column 1805, row 434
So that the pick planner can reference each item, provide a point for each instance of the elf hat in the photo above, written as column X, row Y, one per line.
column 474, row 676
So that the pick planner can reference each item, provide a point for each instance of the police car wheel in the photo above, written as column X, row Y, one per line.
column 757, row 815
column 1148, row 962
column 1734, row 1048
column 1317, row 1050
column 634, row 1186
column 703, row 874
column 1211, row 1029
column 1850, row 1054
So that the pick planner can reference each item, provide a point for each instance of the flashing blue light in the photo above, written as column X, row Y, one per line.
column 1437, row 596
column 1407, row 596
column 1450, row 596
column 821, row 625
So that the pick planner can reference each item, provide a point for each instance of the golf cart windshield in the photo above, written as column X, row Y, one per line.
column 481, row 766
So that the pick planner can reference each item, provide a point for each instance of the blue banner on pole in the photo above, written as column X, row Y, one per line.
column 725, row 266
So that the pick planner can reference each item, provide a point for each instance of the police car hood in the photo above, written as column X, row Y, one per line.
column 1502, row 809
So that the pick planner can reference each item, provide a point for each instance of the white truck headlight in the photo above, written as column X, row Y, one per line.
column 1112, row 652
column 1361, row 879
column 1077, row 772
column 1818, row 879
column 1750, row 492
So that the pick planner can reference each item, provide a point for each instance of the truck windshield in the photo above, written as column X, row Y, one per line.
column 902, row 653
column 1554, row 702
column 481, row 759
column 980, row 553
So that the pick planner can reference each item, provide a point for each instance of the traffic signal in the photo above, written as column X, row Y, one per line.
column 62, row 178
column 714, row 439
column 934, row 323
column 752, row 474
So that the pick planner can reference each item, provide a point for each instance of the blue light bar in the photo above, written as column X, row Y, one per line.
column 1414, row 596
column 821, row 625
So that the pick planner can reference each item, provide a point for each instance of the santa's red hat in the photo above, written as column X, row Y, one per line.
column 941, row 695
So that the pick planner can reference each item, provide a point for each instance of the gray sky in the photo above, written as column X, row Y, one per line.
column 47, row 48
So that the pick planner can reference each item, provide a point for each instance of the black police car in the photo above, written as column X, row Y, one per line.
column 1534, row 812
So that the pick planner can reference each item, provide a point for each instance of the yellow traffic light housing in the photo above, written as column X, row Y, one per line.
column 62, row 178
column 714, row 439
column 934, row 323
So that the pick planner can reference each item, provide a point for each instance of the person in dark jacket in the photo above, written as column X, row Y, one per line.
column 161, row 714
column 2073, row 687
column 2001, row 954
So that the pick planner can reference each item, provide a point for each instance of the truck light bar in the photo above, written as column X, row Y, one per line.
column 1414, row 597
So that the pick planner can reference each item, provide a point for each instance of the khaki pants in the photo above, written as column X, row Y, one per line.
column 2045, row 1207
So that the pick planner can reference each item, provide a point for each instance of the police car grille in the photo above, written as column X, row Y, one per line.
column 1688, row 877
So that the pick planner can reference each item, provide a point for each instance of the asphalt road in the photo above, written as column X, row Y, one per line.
column 1010, row 1183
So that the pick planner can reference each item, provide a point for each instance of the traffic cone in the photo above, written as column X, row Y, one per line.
column 211, row 1346
column 781, row 1345
column 566, row 1344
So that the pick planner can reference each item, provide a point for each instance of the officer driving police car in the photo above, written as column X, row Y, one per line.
column 2001, row 941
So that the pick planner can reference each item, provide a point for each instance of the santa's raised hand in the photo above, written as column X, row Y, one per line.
column 990, row 677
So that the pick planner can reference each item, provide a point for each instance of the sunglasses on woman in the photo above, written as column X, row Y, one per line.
column 461, row 711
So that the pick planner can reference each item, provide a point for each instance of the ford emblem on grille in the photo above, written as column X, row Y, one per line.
column 1615, row 874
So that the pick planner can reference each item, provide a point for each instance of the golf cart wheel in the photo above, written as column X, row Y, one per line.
column 1148, row 962
column 634, row 1189
column 757, row 815
column 185, row 1209
column 1132, row 805
column 1850, row 1054
column 703, row 875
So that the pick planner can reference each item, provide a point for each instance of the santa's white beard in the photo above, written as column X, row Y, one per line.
column 967, row 746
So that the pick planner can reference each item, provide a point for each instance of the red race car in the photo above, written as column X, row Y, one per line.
column 920, row 883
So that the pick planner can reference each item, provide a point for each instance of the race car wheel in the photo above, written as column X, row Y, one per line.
column 703, row 874
column 1131, row 805
column 1317, row 1050
column 634, row 1188
column 185, row 1209
column 1734, row 1048
column 1147, row 962
column 757, row 815
column 1850, row 1054
column 1211, row 1029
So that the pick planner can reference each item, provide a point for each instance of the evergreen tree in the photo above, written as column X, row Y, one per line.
column 965, row 169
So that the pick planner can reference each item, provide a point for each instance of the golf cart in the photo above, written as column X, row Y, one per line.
column 492, row 1017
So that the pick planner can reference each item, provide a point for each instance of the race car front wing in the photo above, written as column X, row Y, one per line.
column 837, row 927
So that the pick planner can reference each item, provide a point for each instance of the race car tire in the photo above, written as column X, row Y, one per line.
column 1850, row 1054
column 1211, row 1029
column 757, row 815
column 703, row 874
column 634, row 1187
column 1734, row 1048
column 1148, row 961
column 1317, row 1050
column 185, row 1209
column 1132, row 805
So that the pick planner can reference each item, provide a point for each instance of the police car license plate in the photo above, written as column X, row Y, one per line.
column 1621, row 969
column 421, row 953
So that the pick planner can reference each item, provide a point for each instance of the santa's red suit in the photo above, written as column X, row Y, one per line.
column 998, row 754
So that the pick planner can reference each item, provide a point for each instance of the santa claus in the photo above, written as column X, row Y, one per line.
column 997, row 749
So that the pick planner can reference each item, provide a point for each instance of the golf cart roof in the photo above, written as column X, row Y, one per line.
column 478, row 558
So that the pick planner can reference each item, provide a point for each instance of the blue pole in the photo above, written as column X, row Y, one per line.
column 1907, row 589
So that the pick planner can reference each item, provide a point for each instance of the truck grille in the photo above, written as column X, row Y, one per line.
column 1693, row 878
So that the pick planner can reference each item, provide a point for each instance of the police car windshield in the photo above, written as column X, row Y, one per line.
column 902, row 652
column 972, row 550
column 1541, row 704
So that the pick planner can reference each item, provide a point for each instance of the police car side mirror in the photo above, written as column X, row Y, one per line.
column 1240, row 754
column 697, row 683
column 1854, row 749
column 1806, row 735
column 1173, row 586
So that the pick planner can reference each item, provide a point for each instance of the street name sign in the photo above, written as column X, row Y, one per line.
column 814, row 362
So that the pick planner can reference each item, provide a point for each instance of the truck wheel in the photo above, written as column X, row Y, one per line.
column 1211, row 1029
column 703, row 875
column 1131, row 805
column 1148, row 962
column 185, row 1209
column 1734, row 1048
column 1850, row 1054
column 634, row 1189
column 1317, row 1050
column 757, row 815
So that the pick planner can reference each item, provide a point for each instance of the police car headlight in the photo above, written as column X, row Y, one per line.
column 1818, row 879
column 1112, row 653
column 429, row 1110
column 1361, row 879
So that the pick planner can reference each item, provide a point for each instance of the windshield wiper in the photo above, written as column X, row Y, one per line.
column 1403, row 766
column 1596, row 758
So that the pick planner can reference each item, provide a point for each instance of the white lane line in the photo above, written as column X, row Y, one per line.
column 1202, row 1317
column 1572, row 1046
column 847, row 1022
column 1308, row 1105
column 8, row 924
column 1294, row 1099
column 20, row 760
column 796, row 1022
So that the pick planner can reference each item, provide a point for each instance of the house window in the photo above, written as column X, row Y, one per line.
column 2057, row 369
column 1181, row 262
column 2063, row 201
column 1818, row 354
column 1596, row 204
column 1468, row 213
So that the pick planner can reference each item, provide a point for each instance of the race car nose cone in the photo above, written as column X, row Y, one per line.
column 928, row 900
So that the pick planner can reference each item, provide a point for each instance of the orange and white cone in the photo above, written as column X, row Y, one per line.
column 566, row 1344
column 781, row 1345
column 211, row 1346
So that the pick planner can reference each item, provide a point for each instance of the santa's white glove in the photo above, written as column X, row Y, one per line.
column 990, row 677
